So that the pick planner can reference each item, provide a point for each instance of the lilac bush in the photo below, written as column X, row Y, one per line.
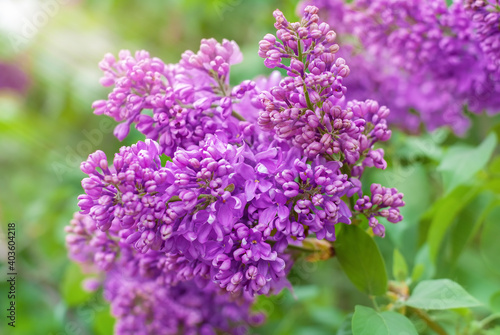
column 253, row 172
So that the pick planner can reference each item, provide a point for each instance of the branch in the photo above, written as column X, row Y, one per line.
column 431, row 323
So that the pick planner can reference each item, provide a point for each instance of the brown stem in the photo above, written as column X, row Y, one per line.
column 431, row 323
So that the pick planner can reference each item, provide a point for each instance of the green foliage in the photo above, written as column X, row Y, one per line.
column 490, row 246
column 461, row 162
column 367, row 321
column 443, row 212
column 71, row 286
column 399, row 267
column 440, row 294
column 361, row 260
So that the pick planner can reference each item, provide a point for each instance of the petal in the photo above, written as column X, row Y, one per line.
column 267, row 215
column 344, row 210
column 264, row 185
column 283, row 212
column 261, row 168
column 263, row 268
column 250, row 187
column 218, row 230
column 212, row 248
column 225, row 217
column 203, row 232
column 270, row 153
column 121, row 131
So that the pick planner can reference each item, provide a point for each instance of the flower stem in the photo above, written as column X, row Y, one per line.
column 238, row 116
column 306, row 93
column 431, row 323
column 488, row 319
column 374, row 302
column 296, row 247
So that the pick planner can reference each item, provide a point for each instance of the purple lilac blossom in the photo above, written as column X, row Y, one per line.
column 255, row 169
column 140, row 300
column 174, row 104
column 412, row 56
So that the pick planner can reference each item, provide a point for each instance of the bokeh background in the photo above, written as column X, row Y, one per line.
column 49, row 51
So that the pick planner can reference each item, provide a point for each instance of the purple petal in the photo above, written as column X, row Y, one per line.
column 267, row 215
column 225, row 217
column 264, row 185
column 250, row 187
column 283, row 212
column 203, row 232
column 121, row 131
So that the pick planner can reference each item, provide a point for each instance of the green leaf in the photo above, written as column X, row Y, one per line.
column 399, row 267
column 490, row 248
column 444, row 211
column 493, row 331
column 360, row 258
column 164, row 159
column 495, row 302
column 494, row 166
column 461, row 163
column 440, row 294
column 104, row 322
column 469, row 222
column 367, row 321
column 346, row 326
column 71, row 286
column 423, row 267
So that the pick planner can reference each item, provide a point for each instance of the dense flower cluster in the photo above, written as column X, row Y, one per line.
column 139, row 299
column 252, row 172
column 486, row 17
column 422, row 59
column 175, row 104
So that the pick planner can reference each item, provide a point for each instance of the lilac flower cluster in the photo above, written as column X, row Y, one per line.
column 384, row 202
column 175, row 104
column 411, row 56
column 308, row 108
column 486, row 17
column 139, row 299
column 254, row 170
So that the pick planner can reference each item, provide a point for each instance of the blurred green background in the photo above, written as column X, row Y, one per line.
column 48, row 128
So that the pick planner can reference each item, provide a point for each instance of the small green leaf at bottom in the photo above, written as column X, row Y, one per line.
column 367, row 321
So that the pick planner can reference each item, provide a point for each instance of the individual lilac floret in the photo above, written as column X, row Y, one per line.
column 384, row 202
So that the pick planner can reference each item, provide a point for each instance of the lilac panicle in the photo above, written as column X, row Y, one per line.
column 174, row 104
column 253, row 171
column 141, row 302
column 384, row 202
column 411, row 56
